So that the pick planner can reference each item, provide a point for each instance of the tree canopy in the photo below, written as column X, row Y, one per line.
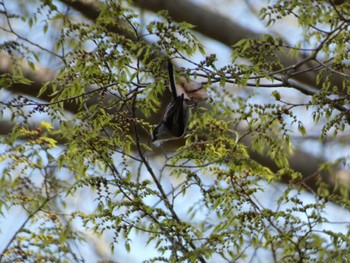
column 84, row 82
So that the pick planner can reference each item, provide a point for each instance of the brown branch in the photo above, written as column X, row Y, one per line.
column 220, row 28
column 207, row 22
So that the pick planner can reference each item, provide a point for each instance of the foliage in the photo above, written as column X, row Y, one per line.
column 203, row 202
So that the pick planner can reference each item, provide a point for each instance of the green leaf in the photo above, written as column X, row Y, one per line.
column 277, row 95
column 301, row 129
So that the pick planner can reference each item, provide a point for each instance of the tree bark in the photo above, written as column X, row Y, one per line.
column 208, row 23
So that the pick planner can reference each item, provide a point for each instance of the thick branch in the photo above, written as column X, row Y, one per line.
column 223, row 29
column 208, row 23
column 39, row 76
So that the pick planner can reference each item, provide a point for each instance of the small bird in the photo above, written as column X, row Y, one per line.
column 176, row 116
